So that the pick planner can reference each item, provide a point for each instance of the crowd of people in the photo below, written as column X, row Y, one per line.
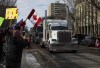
column 14, row 46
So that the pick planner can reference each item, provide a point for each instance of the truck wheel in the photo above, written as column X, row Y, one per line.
column 36, row 41
column 50, row 49
column 41, row 45
column 74, row 51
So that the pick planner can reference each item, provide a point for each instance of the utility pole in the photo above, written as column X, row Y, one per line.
column 44, row 26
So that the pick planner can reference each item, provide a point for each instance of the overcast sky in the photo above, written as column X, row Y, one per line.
column 25, row 6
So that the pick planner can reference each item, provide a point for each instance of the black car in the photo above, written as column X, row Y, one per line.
column 88, row 41
column 79, row 37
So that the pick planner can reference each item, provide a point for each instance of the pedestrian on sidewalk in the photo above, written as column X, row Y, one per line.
column 29, row 41
column 15, row 49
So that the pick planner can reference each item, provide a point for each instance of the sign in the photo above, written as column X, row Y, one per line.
column 11, row 13
column 1, row 20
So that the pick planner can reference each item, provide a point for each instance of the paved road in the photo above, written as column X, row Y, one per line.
column 79, row 60
column 87, row 57
column 37, row 57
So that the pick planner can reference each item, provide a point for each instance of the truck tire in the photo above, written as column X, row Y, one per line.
column 41, row 45
column 74, row 51
column 49, row 48
column 35, row 41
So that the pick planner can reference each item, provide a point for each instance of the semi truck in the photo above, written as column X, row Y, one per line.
column 57, row 36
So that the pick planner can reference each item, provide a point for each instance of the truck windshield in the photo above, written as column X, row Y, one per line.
column 59, row 28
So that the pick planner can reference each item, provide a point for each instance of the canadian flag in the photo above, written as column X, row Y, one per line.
column 34, row 18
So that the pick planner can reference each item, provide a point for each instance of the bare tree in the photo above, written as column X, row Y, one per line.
column 70, row 10
column 3, row 5
column 8, row 2
column 97, row 5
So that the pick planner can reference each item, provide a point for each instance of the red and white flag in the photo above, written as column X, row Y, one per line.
column 34, row 18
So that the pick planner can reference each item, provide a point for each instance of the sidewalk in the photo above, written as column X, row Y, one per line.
column 29, row 61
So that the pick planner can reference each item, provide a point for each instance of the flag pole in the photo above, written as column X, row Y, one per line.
column 29, row 16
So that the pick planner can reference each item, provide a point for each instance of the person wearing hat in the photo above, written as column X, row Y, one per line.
column 15, row 49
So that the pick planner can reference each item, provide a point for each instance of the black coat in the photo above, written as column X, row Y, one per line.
column 14, row 52
column 2, row 40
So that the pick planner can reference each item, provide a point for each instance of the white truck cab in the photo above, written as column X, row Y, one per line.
column 57, row 36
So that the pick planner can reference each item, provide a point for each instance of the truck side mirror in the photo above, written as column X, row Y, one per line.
column 49, row 27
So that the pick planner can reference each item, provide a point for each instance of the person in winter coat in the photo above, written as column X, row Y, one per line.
column 28, row 38
column 15, row 49
column 2, row 40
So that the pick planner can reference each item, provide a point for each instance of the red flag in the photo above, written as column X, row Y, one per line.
column 31, row 13
column 35, row 19
column 38, row 21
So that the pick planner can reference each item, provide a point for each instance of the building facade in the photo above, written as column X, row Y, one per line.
column 57, row 10
column 87, row 18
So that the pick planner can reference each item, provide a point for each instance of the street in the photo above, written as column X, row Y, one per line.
column 87, row 57
column 50, row 34
column 29, row 61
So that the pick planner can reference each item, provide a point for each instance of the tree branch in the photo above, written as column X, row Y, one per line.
column 95, row 4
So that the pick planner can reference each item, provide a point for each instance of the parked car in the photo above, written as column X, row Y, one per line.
column 38, row 37
column 79, row 37
column 88, row 41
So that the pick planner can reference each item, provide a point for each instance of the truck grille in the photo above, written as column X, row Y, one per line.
column 64, row 37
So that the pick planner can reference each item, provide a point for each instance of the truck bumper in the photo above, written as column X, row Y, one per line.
column 64, row 47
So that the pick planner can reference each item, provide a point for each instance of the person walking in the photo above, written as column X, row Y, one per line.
column 29, row 41
column 15, row 49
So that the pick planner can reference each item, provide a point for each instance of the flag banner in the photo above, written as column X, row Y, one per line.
column 1, row 20
column 37, row 22
column 11, row 13
column 31, row 13
column 35, row 19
